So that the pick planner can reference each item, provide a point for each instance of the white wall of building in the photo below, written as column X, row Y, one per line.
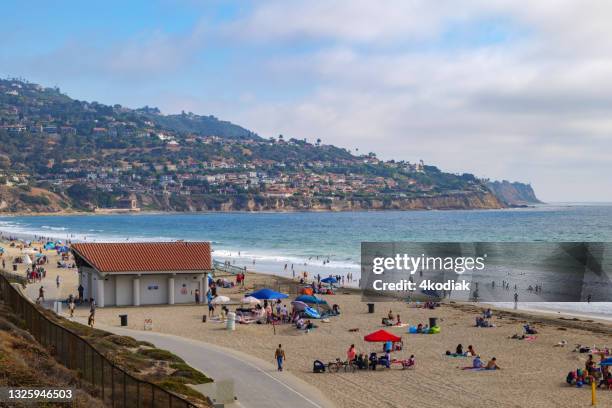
column 154, row 289
column 184, row 288
column 124, row 291
column 109, row 291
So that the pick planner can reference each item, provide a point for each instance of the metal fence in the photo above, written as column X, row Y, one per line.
column 115, row 387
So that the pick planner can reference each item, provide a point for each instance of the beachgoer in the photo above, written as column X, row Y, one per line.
column 459, row 350
column 279, row 354
column 71, row 307
column 351, row 353
column 477, row 362
column 197, row 296
column 470, row 351
column 57, row 281
column 81, row 289
column 41, row 294
column 92, row 312
column 390, row 316
column 492, row 364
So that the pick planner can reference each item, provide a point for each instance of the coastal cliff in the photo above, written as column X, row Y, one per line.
column 459, row 201
column 513, row 194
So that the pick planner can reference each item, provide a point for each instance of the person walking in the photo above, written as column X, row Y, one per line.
column 71, row 306
column 57, row 281
column 279, row 354
column 197, row 296
column 92, row 312
column 41, row 294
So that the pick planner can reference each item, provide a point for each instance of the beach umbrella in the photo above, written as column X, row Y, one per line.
column 330, row 280
column 220, row 300
column 310, row 299
column 268, row 294
column 250, row 300
column 381, row 336
column 606, row 362
column 299, row 306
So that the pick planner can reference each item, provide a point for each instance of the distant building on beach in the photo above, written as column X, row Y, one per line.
column 151, row 273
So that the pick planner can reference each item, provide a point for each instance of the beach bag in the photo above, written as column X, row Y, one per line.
column 318, row 367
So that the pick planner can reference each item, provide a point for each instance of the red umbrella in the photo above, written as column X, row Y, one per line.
column 382, row 336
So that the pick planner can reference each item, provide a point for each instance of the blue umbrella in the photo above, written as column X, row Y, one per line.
column 606, row 362
column 310, row 299
column 266, row 293
column 330, row 279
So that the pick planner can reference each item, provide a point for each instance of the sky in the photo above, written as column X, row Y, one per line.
column 516, row 90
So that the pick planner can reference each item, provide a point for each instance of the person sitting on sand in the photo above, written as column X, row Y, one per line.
column 361, row 361
column 373, row 361
column 529, row 329
column 492, row 364
column 477, row 362
column 459, row 350
column 470, row 351
column 488, row 314
column 411, row 361
column 399, row 321
column 420, row 328
column 390, row 316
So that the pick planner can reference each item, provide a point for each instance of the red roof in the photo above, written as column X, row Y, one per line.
column 382, row 335
column 146, row 256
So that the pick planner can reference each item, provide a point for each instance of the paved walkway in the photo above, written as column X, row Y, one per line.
column 256, row 382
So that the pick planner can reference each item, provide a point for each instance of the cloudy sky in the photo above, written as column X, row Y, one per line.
column 518, row 90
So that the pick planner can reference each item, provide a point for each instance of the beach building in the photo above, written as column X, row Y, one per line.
column 151, row 273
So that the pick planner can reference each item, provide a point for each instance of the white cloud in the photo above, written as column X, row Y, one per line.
column 534, row 109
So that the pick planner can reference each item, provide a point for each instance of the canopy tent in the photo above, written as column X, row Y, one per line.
column 268, row 294
column 27, row 260
column 382, row 336
column 220, row 300
column 250, row 300
column 299, row 306
column 329, row 280
column 310, row 299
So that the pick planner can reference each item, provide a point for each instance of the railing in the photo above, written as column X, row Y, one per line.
column 114, row 386
column 231, row 269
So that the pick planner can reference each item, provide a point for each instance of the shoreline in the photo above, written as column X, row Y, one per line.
column 161, row 212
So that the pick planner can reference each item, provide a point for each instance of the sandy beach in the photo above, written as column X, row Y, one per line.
column 533, row 372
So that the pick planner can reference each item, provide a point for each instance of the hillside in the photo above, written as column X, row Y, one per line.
column 61, row 154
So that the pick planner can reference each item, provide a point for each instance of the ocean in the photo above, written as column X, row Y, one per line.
column 324, row 242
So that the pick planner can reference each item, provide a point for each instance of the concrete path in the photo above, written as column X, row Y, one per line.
column 256, row 382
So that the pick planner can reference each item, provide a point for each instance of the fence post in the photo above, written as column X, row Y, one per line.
column 102, row 368
column 113, row 385
column 124, row 389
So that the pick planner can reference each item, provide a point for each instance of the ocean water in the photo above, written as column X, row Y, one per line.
column 324, row 242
